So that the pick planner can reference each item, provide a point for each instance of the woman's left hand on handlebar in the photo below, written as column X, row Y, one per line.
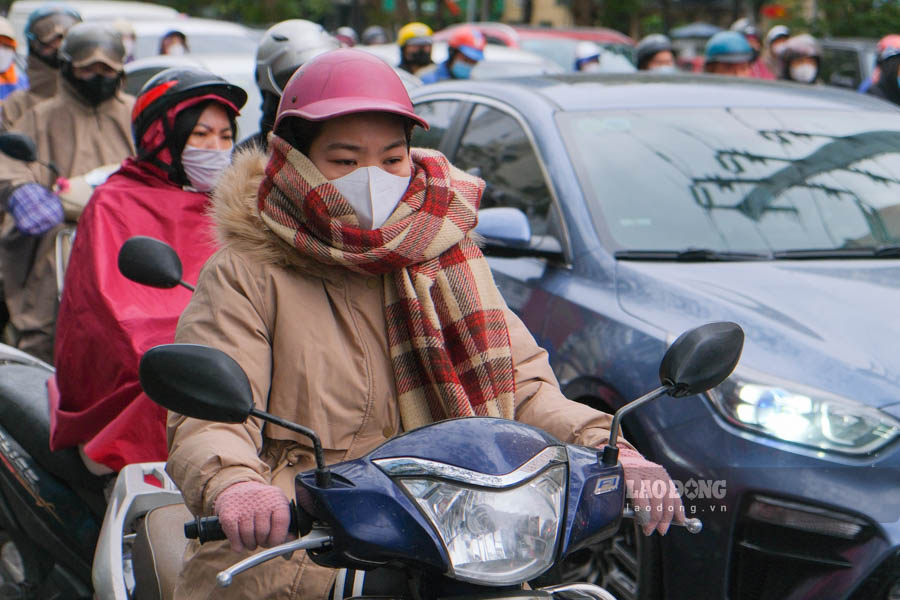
column 655, row 498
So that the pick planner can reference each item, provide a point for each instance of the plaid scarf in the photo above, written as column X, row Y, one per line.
column 449, row 344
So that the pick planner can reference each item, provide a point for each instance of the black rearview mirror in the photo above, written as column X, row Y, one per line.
column 701, row 359
column 151, row 262
column 18, row 146
column 197, row 381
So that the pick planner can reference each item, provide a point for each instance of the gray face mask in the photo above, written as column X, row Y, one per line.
column 664, row 69
column 204, row 167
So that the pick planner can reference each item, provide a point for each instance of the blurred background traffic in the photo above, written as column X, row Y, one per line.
column 830, row 42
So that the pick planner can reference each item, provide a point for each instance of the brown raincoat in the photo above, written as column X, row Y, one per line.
column 77, row 138
column 313, row 342
column 42, row 84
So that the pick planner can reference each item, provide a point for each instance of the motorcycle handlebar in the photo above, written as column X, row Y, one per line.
column 208, row 529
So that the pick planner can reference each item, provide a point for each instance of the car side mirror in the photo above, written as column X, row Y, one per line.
column 18, row 146
column 151, row 262
column 197, row 381
column 507, row 234
column 505, row 226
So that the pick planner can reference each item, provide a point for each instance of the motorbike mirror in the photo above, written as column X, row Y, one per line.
column 149, row 261
column 197, row 381
column 18, row 146
column 205, row 383
column 701, row 359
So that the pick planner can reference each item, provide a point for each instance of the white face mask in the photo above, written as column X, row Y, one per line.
column 176, row 49
column 204, row 167
column 664, row 69
column 129, row 46
column 373, row 193
column 592, row 67
column 803, row 73
column 6, row 58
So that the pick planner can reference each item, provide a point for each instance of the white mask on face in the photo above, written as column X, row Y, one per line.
column 373, row 193
column 6, row 58
column 664, row 69
column 204, row 167
column 805, row 73
column 176, row 49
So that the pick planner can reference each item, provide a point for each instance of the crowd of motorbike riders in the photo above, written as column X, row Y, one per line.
column 308, row 243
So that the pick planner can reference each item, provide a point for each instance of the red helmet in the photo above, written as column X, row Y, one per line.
column 343, row 82
column 469, row 41
column 888, row 46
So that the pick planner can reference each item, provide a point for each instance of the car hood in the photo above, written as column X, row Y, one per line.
column 830, row 324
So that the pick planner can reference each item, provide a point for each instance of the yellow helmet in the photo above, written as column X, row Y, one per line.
column 414, row 33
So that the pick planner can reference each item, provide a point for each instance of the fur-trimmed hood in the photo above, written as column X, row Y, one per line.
column 235, row 214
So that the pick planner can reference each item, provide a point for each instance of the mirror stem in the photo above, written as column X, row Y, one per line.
column 323, row 473
column 186, row 285
column 611, row 451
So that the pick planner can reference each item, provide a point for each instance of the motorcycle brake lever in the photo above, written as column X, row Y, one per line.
column 693, row 525
column 317, row 538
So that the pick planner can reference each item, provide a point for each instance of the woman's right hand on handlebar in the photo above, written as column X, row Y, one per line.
column 253, row 514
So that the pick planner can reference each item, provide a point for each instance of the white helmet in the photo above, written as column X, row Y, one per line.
column 284, row 47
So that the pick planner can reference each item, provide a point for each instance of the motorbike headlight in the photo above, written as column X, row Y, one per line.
column 495, row 533
column 801, row 415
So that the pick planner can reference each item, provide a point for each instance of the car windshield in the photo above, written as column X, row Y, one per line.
column 739, row 179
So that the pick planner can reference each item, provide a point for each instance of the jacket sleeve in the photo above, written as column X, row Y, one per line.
column 227, row 313
column 14, row 173
column 540, row 402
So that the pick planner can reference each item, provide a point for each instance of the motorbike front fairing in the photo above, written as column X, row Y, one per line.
column 483, row 500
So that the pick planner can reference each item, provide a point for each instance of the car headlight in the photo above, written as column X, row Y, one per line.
column 801, row 415
column 502, row 532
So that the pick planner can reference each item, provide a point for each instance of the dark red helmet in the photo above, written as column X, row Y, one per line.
column 343, row 82
column 170, row 87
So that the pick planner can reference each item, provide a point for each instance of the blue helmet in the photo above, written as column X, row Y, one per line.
column 63, row 17
column 728, row 47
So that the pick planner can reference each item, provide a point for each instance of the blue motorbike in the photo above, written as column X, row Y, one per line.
column 451, row 518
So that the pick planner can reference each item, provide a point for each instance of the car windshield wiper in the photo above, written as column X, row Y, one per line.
column 885, row 251
column 691, row 255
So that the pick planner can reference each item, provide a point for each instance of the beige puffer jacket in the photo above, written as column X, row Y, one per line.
column 313, row 342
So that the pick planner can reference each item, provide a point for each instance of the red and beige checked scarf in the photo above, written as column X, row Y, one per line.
column 449, row 343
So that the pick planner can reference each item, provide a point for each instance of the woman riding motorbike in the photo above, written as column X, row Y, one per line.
column 184, row 126
column 350, row 291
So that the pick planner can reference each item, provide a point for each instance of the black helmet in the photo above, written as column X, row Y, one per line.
column 649, row 47
column 375, row 34
column 169, row 87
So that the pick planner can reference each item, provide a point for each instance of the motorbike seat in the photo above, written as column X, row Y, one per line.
column 158, row 550
column 25, row 414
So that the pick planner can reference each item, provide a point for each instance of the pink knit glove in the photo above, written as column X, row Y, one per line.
column 653, row 495
column 253, row 514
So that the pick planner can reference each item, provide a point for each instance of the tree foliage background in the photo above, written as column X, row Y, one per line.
column 857, row 18
column 836, row 18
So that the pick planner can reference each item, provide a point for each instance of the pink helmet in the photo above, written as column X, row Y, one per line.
column 343, row 82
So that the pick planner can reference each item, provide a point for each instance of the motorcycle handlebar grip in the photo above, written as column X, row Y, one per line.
column 208, row 529
column 204, row 529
